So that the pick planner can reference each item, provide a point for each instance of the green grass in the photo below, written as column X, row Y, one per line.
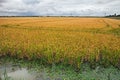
column 60, row 72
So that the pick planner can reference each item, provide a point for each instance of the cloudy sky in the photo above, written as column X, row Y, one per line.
column 59, row 7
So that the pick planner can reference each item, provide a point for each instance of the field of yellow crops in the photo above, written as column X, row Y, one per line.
column 65, row 40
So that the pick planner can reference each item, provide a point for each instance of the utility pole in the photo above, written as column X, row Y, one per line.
column 105, row 15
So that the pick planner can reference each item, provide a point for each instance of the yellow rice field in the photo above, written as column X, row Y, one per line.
column 65, row 40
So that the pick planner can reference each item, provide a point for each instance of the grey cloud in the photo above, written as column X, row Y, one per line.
column 31, row 1
column 105, row 1
column 59, row 7
column 2, row 1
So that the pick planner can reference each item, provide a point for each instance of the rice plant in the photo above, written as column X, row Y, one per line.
column 68, row 41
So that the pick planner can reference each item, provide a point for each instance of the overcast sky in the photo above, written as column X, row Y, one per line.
column 59, row 7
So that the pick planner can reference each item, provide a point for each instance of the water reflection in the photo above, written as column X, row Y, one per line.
column 21, row 74
column 15, row 73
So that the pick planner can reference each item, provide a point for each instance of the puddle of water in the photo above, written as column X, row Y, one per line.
column 21, row 74
column 10, row 72
column 16, row 72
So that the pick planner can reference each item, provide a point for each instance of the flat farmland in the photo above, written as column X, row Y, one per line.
column 62, row 40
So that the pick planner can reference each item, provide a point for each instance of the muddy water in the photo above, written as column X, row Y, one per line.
column 15, row 72
column 10, row 71
column 22, row 74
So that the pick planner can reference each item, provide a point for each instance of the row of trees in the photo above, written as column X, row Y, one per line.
column 114, row 15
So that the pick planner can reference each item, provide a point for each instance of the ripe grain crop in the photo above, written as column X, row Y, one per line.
column 62, row 40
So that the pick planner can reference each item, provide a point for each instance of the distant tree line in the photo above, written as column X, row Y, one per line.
column 114, row 15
